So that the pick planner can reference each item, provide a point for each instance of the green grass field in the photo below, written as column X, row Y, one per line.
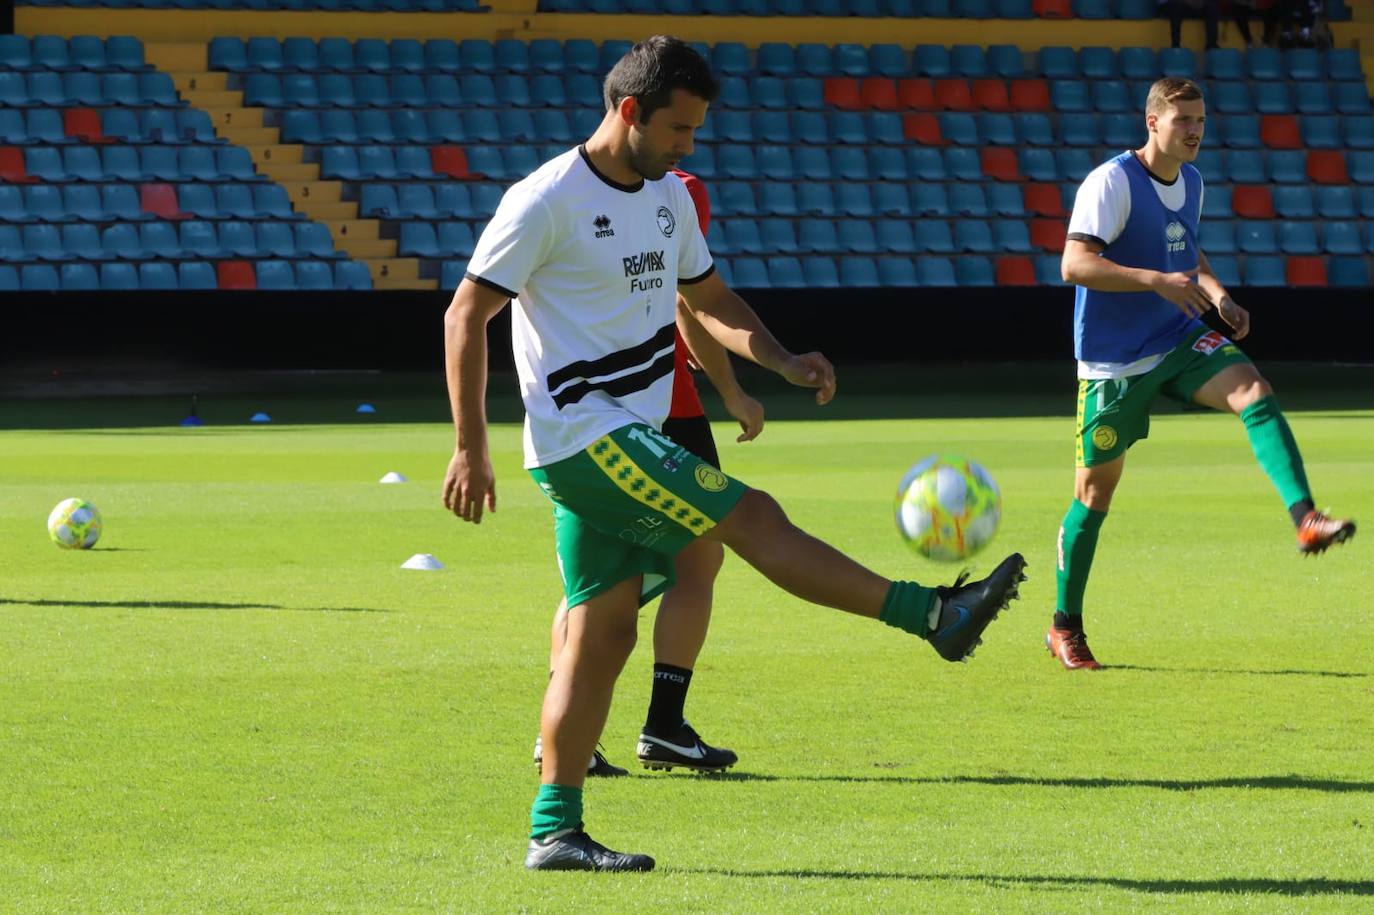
column 239, row 702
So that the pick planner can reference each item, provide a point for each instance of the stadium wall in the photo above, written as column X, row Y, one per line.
column 404, row 331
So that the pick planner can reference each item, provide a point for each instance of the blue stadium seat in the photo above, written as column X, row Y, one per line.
column 749, row 273
column 934, row 236
column 820, row 273
column 1246, row 166
column 1005, row 60
column 579, row 56
column 479, row 54
column 1314, row 99
column 1111, row 95
column 38, row 278
column 974, row 271
column 314, row 275
column 50, row 52
column 1336, row 202
column 1264, row 64
column 1177, row 62
column 1070, row 95
column 1232, row 97
column 1038, row 164
column 743, row 236
column 1240, row 131
column 897, row 271
column 1294, row 202
column 813, row 59
column 1082, row 129
column 1361, row 168
column 813, row 163
column 1139, row 63
column 888, row 60
column 1274, row 98
column 818, row 236
column 274, row 274
column 896, row 236
column 853, row 199
column 849, row 127
column 859, row 273
column 849, row 59
column 973, row 235
column 1299, row 237
column 1227, row 269
column 1098, row 63
column 996, row 129
column 857, row 235
column 1254, row 236
column 1216, row 202
column 270, row 201
column 354, row 275
column 930, row 200
column 1058, row 62
column 408, row 55
column 15, row 53
column 932, row 60
column 118, row 277
column 969, row 60
column 925, row 163
column 313, row 240
column 198, row 238
column 1265, row 271
column 196, row 275
column 1287, row 166
column 81, row 241
column 935, row 271
column 1123, row 131
column 1217, row 237
column 1225, row 64
column 968, row 200
column 14, row 91
column 812, row 200
column 778, row 235
column 82, row 88
column 776, row 59
column 237, row 239
column 300, row 54
column 1012, row 235
column 1321, row 132
column 11, row 244
column 1347, row 272
column 1006, row 200
column 12, row 209
column 963, row 164
column 1351, row 98
column 1304, row 64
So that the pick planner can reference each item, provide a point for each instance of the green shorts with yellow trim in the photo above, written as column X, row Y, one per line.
column 1114, row 413
column 626, row 505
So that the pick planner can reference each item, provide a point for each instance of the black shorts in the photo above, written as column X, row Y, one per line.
column 694, row 434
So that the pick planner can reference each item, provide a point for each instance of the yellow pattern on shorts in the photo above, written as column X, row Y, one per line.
column 636, row 484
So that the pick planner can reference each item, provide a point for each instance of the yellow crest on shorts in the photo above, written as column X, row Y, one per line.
column 709, row 478
column 1104, row 437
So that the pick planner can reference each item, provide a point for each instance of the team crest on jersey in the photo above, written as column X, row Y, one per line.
column 1104, row 437
column 603, row 226
column 1174, row 237
column 666, row 222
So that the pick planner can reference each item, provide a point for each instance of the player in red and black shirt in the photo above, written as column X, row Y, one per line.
column 684, row 613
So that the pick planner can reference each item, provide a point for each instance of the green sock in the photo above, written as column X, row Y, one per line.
column 1077, row 544
column 557, row 808
column 1277, row 450
column 907, row 606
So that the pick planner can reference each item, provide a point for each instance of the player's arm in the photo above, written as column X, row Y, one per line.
column 1083, row 265
column 714, row 360
column 470, row 481
column 1235, row 318
column 730, row 320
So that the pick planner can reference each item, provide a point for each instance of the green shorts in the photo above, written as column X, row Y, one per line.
column 626, row 505
column 1114, row 413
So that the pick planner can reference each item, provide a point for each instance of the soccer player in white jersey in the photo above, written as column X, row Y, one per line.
column 593, row 247
column 1144, row 288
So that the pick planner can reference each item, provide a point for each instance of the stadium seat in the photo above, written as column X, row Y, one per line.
column 38, row 278
column 1047, row 234
column 1361, row 166
column 1246, row 166
column 1280, row 131
column 1252, row 202
column 749, row 273
column 1000, row 164
column 974, row 271
column 1006, row 61
column 785, row 272
column 1015, row 270
column 936, row 271
column 1326, row 166
column 1240, row 131
column 196, row 275
column 354, row 275
column 932, row 60
column 1138, row 63
column 1298, row 237
column 1265, row 271
column 1012, row 235
column 1038, row 165
column 1348, row 272
column 237, row 239
column 1216, row 203
column 275, row 274
column 1336, row 202
column 1030, row 95
column 897, row 271
column 1070, row 95
column 852, row 199
column 1058, row 62
column 925, row 164
column 934, row 237
column 777, row 199
column 1255, row 236
column 928, row 199
column 236, row 274
column 963, row 164
column 1080, row 129
column 959, row 128
column 996, row 129
column 1226, row 268
column 973, row 235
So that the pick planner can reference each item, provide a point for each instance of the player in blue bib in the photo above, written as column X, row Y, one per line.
column 1151, row 317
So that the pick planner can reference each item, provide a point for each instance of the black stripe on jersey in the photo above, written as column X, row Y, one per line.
column 617, row 387
column 482, row 281
column 697, row 279
column 615, row 362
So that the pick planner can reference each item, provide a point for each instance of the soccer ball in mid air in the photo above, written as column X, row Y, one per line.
column 74, row 524
column 948, row 507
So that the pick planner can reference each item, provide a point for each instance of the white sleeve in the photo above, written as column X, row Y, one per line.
column 694, row 262
column 514, row 244
column 1101, row 206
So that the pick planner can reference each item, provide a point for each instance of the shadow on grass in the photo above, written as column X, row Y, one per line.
column 1296, row 886
column 1266, row 782
column 181, row 605
column 1240, row 672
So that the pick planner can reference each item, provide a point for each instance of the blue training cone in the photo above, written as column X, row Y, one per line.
column 366, row 408
column 260, row 418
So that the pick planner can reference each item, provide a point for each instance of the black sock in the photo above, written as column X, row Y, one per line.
column 1063, row 621
column 668, row 698
column 1299, row 509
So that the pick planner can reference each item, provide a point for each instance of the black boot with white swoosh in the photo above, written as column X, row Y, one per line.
column 682, row 748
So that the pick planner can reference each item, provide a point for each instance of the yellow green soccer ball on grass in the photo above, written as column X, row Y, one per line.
column 74, row 524
column 948, row 508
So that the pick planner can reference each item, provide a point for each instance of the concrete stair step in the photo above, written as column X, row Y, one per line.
column 200, row 81
column 369, row 249
column 204, row 98
column 233, row 115
column 277, row 153
column 328, row 212
column 313, row 191
column 250, row 136
column 359, row 229
column 176, row 56
column 394, row 268
column 284, row 171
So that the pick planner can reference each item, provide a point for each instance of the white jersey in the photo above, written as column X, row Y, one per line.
column 593, row 267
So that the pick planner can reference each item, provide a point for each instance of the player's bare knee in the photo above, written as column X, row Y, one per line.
column 1251, row 393
column 701, row 561
column 757, row 517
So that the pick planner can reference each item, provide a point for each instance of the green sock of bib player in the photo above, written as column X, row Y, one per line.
column 557, row 809
column 1077, row 544
column 910, row 607
column 1277, row 453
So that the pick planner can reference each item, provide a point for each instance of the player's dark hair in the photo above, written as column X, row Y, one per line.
column 1168, row 90
column 652, row 69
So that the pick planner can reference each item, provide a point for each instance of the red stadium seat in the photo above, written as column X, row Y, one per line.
column 879, row 93
column 449, row 160
column 161, row 200
column 1306, row 271
column 1015, row 271
column 84, row 124
column 953, row 95
column 1280, row 131
column 1252, row 201
column 916, row 93
column 1053, row 9
column 1044, row 200
column 999, row 163
column 923, row 128
column 843, row 92
column 12, row 167
column 236, row 275
column 1030, row 95
column 1327, row 166
column 991, row 95
column 1048, row 234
